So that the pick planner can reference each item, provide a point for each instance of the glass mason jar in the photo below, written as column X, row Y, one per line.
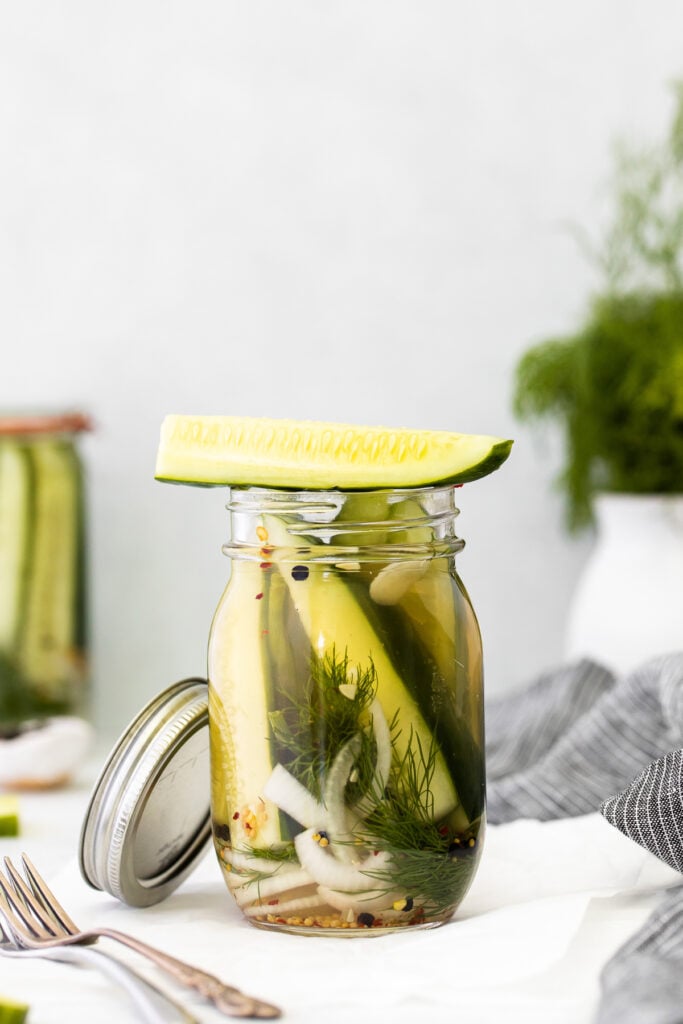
column 346, row 712
column 43, row 666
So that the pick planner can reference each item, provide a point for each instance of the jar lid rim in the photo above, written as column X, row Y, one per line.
column 22, row 424
column 148, row 820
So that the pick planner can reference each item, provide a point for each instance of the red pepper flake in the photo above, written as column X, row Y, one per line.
column 235, row 815
column 443, row 831
column 265, row 565
column 265, row 551
column 273, row 903
column 264, row 632
column 259, row 596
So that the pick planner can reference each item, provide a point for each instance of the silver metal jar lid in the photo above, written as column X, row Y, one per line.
column 149, row 818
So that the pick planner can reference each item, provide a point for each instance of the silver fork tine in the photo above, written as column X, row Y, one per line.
column 31, row 903
column 20, row 919
column 46, row 897
column 226, row 998
column 21, row 935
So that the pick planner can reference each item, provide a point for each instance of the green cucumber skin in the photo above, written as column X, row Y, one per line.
column 12, row 495
column 494, row 460
column 12, row 1013
column 267, row 685
column 56, row 519
column 21, row 696
column 411, row 658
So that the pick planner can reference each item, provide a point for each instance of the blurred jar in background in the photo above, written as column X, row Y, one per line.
column 43, row 649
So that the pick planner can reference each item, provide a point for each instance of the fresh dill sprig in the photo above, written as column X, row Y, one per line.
column 402, row 824
column 284, row 853
column 437, row 880
column 430, row 861
column 334, row 708
column 252, row 874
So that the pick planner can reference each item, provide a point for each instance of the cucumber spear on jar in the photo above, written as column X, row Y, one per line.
column 345, row 699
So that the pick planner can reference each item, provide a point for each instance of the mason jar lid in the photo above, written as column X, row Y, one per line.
column 27, row 424
column 148, row 821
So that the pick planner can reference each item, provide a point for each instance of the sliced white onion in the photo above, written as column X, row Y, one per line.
column 293, row 798
column 262, row 888
column 380, row 777
column 375, row 900
column 326, row 870
column 396, row 579
column 264, row 865
column 335, row 799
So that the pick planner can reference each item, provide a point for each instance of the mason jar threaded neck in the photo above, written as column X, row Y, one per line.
column 324, row 526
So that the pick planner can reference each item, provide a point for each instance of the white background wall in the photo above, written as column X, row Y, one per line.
column 349, row 211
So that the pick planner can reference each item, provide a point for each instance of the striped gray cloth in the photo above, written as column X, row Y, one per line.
column 579, row 740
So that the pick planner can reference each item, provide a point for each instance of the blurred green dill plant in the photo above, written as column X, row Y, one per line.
column 616, row 386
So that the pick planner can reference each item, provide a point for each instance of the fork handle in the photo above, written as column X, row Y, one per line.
column 226, row 998
column 153, row 1004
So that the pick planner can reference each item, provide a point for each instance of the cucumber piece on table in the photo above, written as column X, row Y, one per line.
column 9, row 814
column 11, row 1012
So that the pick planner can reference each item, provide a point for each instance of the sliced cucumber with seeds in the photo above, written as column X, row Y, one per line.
column 240, row 698
column 220, row 450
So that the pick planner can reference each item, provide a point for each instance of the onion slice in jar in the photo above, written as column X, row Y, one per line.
column 335, row 801
column 244, row 862
column 380, row 777
column 293, row 798
column 326, row 870
column 378, row 901
column 261, row 888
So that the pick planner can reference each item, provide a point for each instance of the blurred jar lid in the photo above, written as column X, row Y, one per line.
column 19, row 424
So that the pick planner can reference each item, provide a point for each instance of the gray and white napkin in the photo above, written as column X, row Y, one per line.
column 579, row 740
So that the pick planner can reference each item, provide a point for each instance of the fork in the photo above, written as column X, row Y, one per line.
column 58, row 930
column 151, row 1002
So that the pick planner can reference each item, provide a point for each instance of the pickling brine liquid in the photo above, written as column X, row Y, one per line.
column 346, row 715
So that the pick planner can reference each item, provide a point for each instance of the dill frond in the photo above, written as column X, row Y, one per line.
column 334, row 708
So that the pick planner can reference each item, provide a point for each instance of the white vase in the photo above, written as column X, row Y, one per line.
column 628, row 604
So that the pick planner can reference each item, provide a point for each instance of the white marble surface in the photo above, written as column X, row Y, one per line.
column 550, row 904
